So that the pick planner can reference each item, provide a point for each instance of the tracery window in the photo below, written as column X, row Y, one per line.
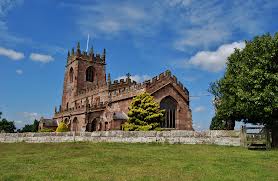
column 169, row 104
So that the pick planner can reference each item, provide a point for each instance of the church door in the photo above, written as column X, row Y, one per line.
column 92, row 126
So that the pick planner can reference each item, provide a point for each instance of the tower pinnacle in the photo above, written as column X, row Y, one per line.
column 104, row 54
column 92, row 51
column 109, row 78
column 78, row 45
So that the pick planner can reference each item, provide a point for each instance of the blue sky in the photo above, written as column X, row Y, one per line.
column 144, row 38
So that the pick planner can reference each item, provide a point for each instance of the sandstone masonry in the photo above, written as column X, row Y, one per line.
column 92, row 102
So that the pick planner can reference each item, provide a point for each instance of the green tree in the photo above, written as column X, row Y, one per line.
column 7, row 126
column 220, row 124
column 27, row 128
column 62, row 127
column 31, row 127
column 249, row 89
column 144, row 114
column 36, row 125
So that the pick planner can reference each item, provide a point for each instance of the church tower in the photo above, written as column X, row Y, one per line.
column 83, row 71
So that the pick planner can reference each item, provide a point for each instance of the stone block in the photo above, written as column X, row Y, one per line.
column 181, row 133
column 172, row 137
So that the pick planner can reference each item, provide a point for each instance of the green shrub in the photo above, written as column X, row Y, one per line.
column 62, row 127
column 158, row 129
column 132, row 127
column 129, row 127
column 144, row 128
column 144, row 114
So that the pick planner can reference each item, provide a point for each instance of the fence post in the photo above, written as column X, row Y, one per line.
column 268, row 142
column 243, row 136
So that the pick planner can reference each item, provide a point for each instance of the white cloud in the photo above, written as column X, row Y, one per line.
column 6, row 5
column 19, row 71
column 12, row 54
column 198, row 96
column 31, row 115
column 41, row 58
column 191, row 24
column 137, row 78
column 207, row 23
column 113, row 18
column 213, row 61
column 23, row 118
column 197, row 127
column 192, row 98
column 109, row 26
column 19, row 122
column 203, row 37
column 6, row 36
column 179, row 2
column 200, row 109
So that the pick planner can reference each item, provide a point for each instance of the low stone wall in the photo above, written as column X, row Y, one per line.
column 218, row 137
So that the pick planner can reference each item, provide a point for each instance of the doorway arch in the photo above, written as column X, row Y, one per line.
column 92, row 126
column 75, row 124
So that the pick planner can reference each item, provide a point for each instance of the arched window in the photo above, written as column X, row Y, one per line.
column 71, row 75
column 169, row 104
column 89, row 74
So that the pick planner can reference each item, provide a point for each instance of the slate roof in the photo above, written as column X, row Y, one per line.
column 48, row 122
column 120, row 116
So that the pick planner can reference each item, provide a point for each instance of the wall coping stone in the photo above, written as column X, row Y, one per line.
column 219, row 137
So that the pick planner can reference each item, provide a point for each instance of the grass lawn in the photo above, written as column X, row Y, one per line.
column 119, row 161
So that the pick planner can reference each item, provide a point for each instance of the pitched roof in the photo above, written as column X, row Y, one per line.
column 120, row 116
column 48, row 122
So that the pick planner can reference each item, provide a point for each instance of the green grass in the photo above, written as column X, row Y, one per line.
column 111, row 161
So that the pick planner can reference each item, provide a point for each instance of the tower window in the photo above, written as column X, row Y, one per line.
column 89, row 74
column 71, row 75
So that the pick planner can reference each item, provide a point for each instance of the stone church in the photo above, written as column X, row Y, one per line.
column 91, row 101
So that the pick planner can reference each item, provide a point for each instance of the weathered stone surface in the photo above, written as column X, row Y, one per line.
column 227, row 133
column 89, row 100
column 173, row 137
column 180, row 133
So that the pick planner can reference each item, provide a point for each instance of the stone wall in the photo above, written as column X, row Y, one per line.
column 218, row 137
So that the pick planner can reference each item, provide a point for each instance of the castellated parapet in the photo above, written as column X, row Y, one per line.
column 90, row 102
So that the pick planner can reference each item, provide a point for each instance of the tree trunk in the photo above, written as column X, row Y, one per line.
column 230, row 125
column 274, row 136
